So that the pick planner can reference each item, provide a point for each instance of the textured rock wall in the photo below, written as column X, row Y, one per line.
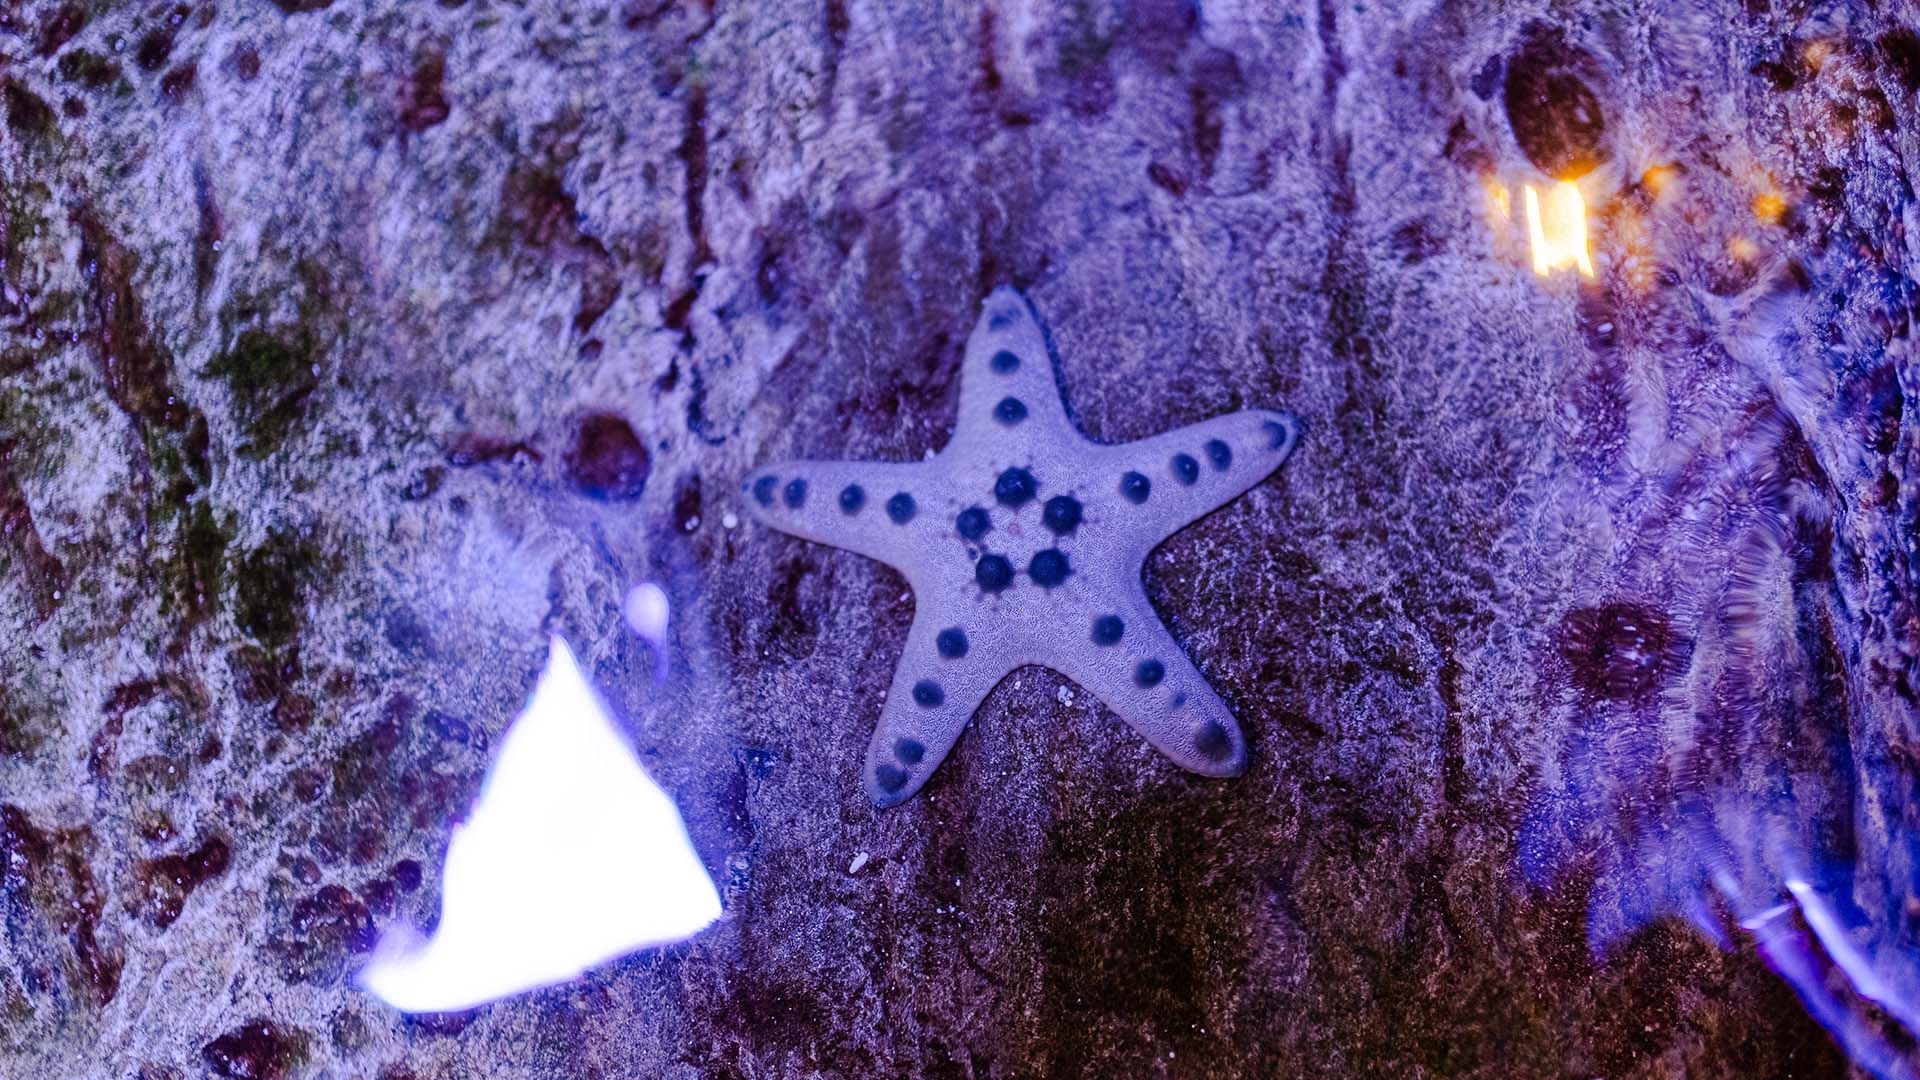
column 349, row 348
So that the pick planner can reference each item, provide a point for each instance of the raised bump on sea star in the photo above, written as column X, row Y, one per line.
column 1023, row 542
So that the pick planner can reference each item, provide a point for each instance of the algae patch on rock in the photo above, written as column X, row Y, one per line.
column 271, row 377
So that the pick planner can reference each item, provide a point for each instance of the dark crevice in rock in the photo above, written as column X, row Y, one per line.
column 606, row 460
column 693, row 157
column 165, row 883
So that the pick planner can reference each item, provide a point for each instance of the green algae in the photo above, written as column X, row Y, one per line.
column 271, row 376
column 269, row 584
column 89, row 69
column 196, row 569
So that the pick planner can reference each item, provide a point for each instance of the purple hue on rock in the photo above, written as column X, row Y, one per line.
column 606, row 459
column 1584, row 623
column 257, row 1050
column 167, row 882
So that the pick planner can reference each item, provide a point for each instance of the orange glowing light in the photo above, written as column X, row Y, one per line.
column 1657, row 177
column 1559, row 230
column 1743, row 249
column 1499, row 200
column 1769, row 207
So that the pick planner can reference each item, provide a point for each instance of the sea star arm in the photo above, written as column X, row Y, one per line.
column 1143, row 675
column 1166, row 482
column 878, row 509
column 1008, row 394
column 943, row 676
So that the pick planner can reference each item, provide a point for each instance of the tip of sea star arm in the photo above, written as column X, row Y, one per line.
column 923, row 718
column 1243, row 446
column 876, row 509
column 1167, row 481
column 1138, row 670
column 1009, row 395
column 944, row 673
column 1280, row 432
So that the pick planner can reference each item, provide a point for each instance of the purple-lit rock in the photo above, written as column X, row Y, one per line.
column 254, row 1051
column 1585, row 623
column 606, row 459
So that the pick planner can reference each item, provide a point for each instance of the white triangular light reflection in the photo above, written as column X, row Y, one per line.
column 572, row 856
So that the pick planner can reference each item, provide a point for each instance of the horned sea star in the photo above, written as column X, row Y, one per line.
column 1023, row 542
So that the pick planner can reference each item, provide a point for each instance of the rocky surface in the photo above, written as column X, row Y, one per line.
column 349, row 349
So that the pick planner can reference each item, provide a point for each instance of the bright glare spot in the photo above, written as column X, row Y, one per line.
column 1742, row 248
column 572, row 856
column 1657, row 177
column 1757, row 923
column 1559, row 232
column 1499, row 200
column 1769, row 207
column 646, row 610
column 1833, row 936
